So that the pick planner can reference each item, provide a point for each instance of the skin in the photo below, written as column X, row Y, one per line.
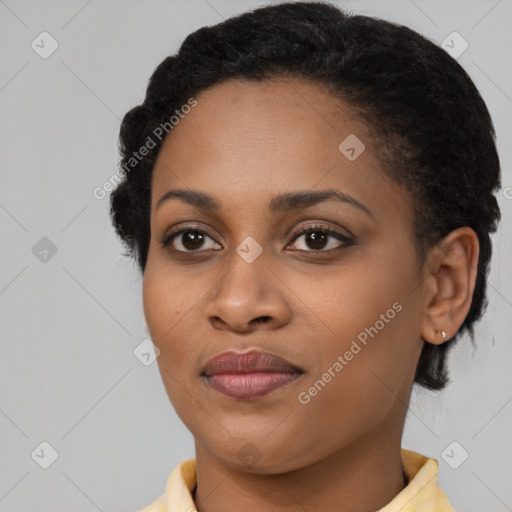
column 243, row 144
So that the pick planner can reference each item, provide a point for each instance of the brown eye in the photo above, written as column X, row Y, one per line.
column 188, row 240
column 321, row 239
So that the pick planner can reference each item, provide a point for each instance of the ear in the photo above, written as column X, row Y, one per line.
column 452, row 269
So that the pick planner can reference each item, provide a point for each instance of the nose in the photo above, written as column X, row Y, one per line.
column 248, row 297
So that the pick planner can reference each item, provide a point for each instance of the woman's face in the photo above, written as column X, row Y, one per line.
column 344, row 309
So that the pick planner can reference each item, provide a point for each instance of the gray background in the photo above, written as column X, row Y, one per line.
column 71, row 323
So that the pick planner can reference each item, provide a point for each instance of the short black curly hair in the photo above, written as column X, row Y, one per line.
column 434, row 131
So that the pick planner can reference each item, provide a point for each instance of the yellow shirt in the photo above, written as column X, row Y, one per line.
column 421, row 494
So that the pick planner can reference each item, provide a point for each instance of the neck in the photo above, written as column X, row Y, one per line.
column 362, row 477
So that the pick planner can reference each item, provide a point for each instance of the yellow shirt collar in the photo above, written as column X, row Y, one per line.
column 421, row 494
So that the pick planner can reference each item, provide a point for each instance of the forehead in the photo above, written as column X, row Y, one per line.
column 260, row 138
column 247, row 114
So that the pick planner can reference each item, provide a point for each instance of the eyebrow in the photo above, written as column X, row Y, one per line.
column 282, row 203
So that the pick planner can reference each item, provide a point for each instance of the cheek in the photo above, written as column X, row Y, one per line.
column 372, row 322
column 350, row 300
column 166, row 304
column 167, row 296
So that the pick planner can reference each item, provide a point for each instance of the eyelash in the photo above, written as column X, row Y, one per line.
column 346, row 241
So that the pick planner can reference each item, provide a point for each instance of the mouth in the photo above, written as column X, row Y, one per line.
column 249, row 375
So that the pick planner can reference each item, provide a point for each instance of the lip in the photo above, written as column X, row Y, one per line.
column 249, row 375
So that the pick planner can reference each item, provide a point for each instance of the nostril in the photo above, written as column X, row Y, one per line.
column 263, row 319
